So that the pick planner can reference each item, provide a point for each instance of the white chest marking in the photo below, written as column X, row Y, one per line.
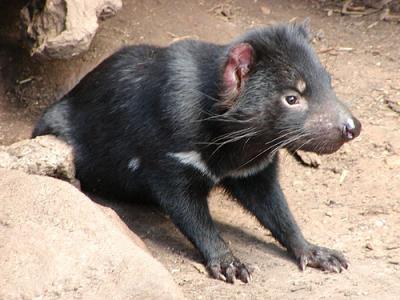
column 246, row 172
column 134, row 164
column 193, row 158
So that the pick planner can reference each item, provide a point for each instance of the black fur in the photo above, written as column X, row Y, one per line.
column 150, row 122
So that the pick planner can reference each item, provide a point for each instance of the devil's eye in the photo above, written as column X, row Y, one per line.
column 292, row 100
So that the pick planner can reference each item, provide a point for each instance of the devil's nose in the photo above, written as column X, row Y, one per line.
column 351, row 129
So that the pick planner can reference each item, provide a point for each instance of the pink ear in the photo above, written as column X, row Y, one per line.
column 240, row 60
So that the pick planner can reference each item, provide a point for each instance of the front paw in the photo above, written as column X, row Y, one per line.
column 321, row 258
column 228, row 268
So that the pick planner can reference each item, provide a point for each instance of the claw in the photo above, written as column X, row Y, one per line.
column 230, row 274
column 323, row 258
column 345, row 264
column 303, row 262
column 244, row 275
column 230, row 271
column 221, row 277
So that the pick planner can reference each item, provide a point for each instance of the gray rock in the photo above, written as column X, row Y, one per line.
column 44, row 155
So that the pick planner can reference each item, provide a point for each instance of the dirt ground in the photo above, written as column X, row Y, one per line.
column 350, row 203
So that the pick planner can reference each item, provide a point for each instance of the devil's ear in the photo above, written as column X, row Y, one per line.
column 236, row 70
column 304, row 29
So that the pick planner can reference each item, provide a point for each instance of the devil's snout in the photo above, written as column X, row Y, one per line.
column 351, row 129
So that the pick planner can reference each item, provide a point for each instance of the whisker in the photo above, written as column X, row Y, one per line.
column 230, row 118
column 250, row 134
column 282, row 136
column 277, row 146
column 230, row 134
column 273, row 152
column 206, row 95
column 305, row 143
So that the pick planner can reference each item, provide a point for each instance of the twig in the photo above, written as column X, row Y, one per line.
column 347, row 10
column 185, row 37
column 345, row 49
column 392, row 247
column 171, row 34
column 326, row 50
column 338, row 49
column 25, row 80
column 372, row 25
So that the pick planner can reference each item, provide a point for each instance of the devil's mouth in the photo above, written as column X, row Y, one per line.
column 318, row 148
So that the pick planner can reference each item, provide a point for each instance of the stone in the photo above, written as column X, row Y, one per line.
column 309, row 159
column 393, row 161
column 58, row 244
column 44, row 155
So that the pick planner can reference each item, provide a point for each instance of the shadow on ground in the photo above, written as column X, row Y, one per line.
column 151, row 225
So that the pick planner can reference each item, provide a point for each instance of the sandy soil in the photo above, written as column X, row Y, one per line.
column 351, row 202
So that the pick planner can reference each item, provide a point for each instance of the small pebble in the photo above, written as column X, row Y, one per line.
column 369, row 246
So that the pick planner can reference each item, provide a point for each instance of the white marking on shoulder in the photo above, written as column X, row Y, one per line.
column 247, row 172
column 134, row 164
column 193, row 158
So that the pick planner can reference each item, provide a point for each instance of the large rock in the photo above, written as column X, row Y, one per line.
column 58, row 244
column 63, row 28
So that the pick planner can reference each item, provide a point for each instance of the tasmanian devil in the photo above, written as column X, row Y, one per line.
column 170, row 123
